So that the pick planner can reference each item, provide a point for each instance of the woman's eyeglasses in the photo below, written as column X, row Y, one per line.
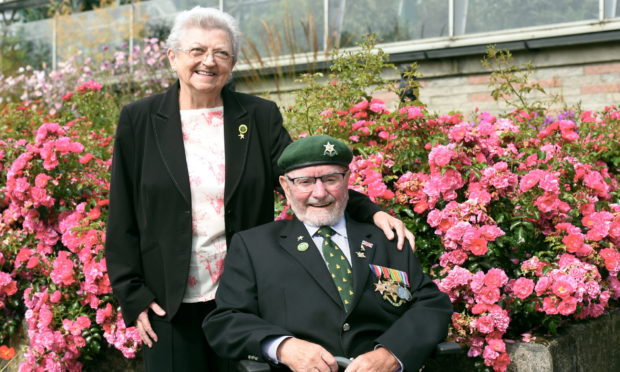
column 198, row 53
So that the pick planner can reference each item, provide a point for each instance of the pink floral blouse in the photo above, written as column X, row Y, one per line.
column 203, row 137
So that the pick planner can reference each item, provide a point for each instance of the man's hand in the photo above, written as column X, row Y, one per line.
column 143, row 324
column 388, row 223
column 304, row 356
column 378, row 360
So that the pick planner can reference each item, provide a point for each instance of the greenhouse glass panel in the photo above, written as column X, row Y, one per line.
column 389, row 20
column 278, row 27
column 100, row 28
column 155, row 18
column 188, row 4
column 495, row 15
column 34, row 40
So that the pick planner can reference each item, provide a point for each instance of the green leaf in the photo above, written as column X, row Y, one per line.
column 521, row 236
column 515, row 224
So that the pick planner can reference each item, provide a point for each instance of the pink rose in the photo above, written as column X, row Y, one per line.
column 567, row 306
column 86, row 158
column 90, row 85
column 415, row 112
column 41, row 180
column 67, row 96
column 478, row 246
column 495, row 278
column 377, row 105
column 523, row 287
column 573, row 242
column 497, row 344
column 363, row 105
column 484, row 324
column 530, row 180
column 488, row 295
column 7, row 285
column 542, row 285
column 441, row 155
column 563, row 287
column 55, row 297
column 550, row 305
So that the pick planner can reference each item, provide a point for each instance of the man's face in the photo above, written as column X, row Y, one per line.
column 321, row 203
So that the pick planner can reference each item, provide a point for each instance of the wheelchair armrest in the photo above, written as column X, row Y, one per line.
column 448, row 348
column 252, row 366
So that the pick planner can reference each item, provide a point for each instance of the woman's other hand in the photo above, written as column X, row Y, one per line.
column 143, row 324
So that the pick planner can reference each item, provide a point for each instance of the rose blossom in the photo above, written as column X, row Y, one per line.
column 523, row 287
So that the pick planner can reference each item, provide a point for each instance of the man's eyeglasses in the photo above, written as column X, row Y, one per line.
column 307, row 183
column 198, row 53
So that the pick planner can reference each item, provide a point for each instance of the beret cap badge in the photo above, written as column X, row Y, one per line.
column 329, row 149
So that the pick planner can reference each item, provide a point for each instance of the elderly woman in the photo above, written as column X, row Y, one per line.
column 192, row 166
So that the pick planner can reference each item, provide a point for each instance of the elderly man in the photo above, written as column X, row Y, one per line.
column 297, row 293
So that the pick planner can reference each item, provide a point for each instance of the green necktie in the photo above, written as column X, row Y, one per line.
column 338, row 266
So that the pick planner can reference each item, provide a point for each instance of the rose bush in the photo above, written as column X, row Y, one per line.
column 517, row 217
column 52, row 224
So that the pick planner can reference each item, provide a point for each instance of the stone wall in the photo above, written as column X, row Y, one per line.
column 588, row 75
column 588, row 346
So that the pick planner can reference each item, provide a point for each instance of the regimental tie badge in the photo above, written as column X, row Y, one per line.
column 330, row 150
column 392, row 284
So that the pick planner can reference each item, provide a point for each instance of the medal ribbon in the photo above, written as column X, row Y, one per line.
column 387, row 273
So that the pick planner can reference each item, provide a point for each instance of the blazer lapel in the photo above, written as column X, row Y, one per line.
column 291, row 240
column 238, row 130
column 169, row 137
column 361, row 256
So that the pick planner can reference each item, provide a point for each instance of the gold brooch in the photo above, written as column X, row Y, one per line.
column 243, row 129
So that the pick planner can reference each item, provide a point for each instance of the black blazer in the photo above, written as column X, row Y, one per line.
column 149, row 234
column 271, row 288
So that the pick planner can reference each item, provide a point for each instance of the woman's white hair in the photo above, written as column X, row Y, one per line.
column 205, row 18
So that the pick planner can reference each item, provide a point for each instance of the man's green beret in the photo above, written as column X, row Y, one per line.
column 314, row 150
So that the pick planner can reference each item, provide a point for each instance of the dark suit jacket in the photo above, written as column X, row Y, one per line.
column 149, row 229
column 270, row 288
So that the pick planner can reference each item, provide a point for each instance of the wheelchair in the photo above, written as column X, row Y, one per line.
column 442, row 349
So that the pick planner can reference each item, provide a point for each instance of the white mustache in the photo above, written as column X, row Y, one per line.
column 328, row 199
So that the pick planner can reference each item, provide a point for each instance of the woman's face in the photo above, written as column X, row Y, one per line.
column 201, row 62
